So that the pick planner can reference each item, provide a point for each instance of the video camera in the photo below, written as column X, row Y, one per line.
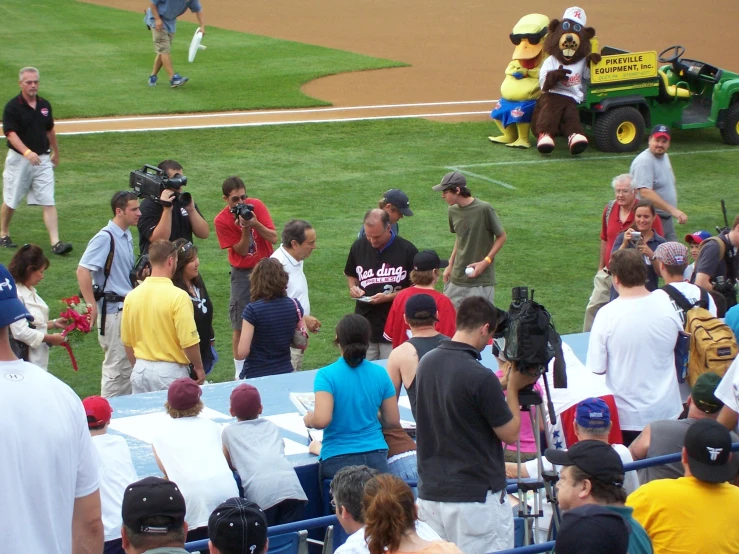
column 525, row 335
column 150, row 182
column 243, row 211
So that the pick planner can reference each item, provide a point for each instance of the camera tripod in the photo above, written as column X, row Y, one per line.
column 532, row 402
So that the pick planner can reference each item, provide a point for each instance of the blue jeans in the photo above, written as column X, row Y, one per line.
column 405, row 468
column 376, row 459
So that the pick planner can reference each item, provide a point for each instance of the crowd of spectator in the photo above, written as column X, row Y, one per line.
column 154, row 321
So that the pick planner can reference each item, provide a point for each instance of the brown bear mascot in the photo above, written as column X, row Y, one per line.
column 562, row 80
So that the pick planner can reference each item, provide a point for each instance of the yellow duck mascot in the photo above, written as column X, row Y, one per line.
column 520, row 88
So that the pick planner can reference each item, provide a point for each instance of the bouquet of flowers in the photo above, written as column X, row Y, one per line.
column 77, row 316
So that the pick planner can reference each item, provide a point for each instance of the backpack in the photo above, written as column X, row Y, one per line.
column 532, row 341
column 713, row 346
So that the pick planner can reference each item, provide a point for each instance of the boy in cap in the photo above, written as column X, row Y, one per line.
column 695, row 513
column 592, row 423
column 395, row 203
column 238, row 526
column 694, row 241
column 188, row 450
column 667, row 436
column 254, row 448
column 593, row 474
column 424, row 276
column 479, row 238
column 153, row 513
column 116, row 468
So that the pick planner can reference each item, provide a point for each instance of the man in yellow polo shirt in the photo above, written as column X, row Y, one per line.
column 158, row 326
column 695, row 514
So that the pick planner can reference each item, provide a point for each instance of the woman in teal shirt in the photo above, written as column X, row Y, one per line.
column 349, row 394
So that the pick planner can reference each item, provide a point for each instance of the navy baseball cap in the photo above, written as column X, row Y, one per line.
column 593, row 413
column 421, row 306
column 399, row 199
column 427, row 260
column 238, row 525
column 592, row 529
column 660, row 131
column 11, row 309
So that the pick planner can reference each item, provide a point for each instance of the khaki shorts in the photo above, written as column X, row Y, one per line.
column 162, row 41
column 457, row 293
column 21, row 178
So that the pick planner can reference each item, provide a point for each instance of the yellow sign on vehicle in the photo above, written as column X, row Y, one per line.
column 624, row 67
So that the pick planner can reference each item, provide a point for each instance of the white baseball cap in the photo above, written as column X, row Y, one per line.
column 576, row 14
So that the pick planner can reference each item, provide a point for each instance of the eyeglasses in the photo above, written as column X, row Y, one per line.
column 185, row 248
column 533, row 38
column 237, row 198
column 575, row 26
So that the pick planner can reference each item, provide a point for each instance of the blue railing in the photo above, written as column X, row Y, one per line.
column 325, row 521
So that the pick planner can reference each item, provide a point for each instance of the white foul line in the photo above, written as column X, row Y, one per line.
column 270, row 123
column 269, row 112
column 483, row 177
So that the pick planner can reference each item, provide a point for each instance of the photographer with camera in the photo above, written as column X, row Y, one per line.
column 462, row 418
column 168, row 213
column 158, row 327
column 717, row 265
column 246, row 230
column 103, row 278
column 642, row 236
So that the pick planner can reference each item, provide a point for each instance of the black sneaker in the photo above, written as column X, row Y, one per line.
column 61, row 248
column 7, row 242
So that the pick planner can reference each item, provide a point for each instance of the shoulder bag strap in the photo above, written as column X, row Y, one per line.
column 682, row 302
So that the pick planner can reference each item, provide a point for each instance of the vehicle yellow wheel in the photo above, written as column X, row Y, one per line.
column 737, row 128
column 626, row 132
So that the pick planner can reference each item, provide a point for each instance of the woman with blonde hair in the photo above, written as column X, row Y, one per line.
column 390, row 515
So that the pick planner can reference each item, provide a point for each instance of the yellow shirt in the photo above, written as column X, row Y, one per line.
column 688, row 516
column 158, row 321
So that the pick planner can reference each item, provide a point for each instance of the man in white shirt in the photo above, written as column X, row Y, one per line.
column 728, row 392
column 347, row 489
column 116, row 469
column 298, row 242
column 633, row 341
column 48, row 467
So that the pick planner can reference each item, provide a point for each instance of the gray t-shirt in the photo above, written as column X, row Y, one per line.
column 652, row 172
column 258, row 454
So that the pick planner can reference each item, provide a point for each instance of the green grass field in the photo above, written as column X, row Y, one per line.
column 95, row 61
column 331, row 173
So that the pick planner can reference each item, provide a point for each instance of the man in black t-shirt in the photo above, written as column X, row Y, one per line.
column 712, row 271
column 33, row 154
column 378, row 267
column 463, row 416
column 176, row 221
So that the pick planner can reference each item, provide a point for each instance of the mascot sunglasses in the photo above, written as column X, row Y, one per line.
column 533, row 38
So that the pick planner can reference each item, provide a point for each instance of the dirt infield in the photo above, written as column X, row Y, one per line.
column 457, row 50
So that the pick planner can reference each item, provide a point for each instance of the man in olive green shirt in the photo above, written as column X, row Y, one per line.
column 480, row 236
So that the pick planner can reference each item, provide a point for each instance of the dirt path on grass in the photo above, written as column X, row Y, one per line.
column 457, row 50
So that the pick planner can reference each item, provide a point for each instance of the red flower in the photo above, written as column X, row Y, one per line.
column 75, row 300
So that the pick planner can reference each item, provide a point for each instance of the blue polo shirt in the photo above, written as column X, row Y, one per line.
column 170, row 10
column 96, row 254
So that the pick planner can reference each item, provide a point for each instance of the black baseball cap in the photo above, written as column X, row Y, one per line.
column 238, row 525
column 421, row 306
column 153, row 497
column 596, row 458
column 450, row 180
column 708, row 444
column 592, row 529
column 427, row 260
column 399, row 199
column 660, row 131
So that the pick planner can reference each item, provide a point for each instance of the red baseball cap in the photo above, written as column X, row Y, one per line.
column 98, row 410
column 183, row 394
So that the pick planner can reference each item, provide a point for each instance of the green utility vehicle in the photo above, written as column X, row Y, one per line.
column 628, row 93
